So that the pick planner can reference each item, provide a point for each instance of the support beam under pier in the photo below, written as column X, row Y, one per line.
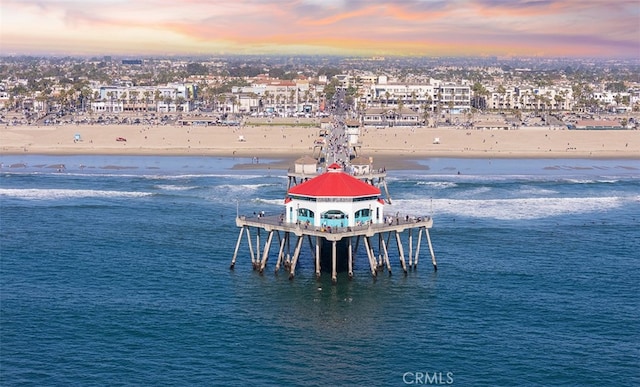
column 433, row 256
column 296, row 254
column 401, row 252
column 235, row 252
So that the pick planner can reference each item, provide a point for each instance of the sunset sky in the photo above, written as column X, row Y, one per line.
column 567, row 28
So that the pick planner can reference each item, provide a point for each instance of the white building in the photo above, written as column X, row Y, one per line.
column 334, row 199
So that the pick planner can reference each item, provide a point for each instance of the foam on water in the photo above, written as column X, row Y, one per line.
column 246, row 187
column 511, row 209
column 535, row 191
column 194, row 176
column 474, row 192
column 438, row 184
column 47, row 194
column 167, row 187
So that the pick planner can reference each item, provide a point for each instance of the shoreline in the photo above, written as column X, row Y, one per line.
column 396, row 147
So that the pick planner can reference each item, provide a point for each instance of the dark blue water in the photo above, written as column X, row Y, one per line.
column 116, row 271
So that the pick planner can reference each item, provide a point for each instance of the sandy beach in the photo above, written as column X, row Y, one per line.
column 391, row 146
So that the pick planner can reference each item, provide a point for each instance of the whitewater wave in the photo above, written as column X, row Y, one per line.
column 246, row 187
column 166, row 187
column 275, row 202
column 535, row 191
column 197, row 176
column 438, row 184
column 511, row 209
column 47, row 194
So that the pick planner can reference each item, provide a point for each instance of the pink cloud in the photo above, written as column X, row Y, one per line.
column 556, row 27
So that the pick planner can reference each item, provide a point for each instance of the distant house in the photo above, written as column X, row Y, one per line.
column 597, row 125
column 390, row 117
column 489, row 125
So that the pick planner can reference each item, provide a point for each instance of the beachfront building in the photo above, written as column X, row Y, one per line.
column 456, row 99
column 277, row 97
column 597, row 125
column 172, row 97
column 386, row 117
column 434, row 96
column 334, row 199
column 394, row 94
column 527, row 98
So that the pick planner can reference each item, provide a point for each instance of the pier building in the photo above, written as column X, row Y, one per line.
column 335, row 213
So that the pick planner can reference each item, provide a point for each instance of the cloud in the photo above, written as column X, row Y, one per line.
column 424, row 27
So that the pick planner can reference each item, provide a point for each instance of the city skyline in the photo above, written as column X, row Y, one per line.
column 545, row 28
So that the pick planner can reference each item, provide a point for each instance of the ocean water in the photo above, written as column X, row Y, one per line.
column 115, row 271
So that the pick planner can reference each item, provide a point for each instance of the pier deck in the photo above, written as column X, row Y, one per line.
column 274, row 222
column 274, row 225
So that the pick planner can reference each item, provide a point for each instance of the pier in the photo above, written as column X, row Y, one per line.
column 334, row 201
column 377, row 240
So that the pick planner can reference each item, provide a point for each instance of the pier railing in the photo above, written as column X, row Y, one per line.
column 396, row 223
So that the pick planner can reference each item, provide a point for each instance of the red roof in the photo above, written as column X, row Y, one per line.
column 334, row 183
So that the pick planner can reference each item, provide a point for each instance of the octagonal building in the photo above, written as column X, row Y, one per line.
column 334, row 199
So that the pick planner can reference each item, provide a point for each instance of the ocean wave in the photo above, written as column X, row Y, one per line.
column 92, row 172
column 275, row 202
column 195, row 176
column 46, row 194
column 438, row 184
column 535, row 191
column 475, row 192
column 167, row 187
column 511, row 209
column 247, row 187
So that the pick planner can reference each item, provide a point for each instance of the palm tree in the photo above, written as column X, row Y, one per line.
column 133, row 95
column 617, row 98
column 147, row 95
column 85, row 96
column 438, row 107
column 425, row 115
column 267, row 97
column 222, row 99
column 559, row 100
column 180, row 100
column 167, row 101
column 292, row 97
column 233, row 100
column 307, row 94
column 124, row 97
column 157, row 97
column 111, row 96
column 278, row 98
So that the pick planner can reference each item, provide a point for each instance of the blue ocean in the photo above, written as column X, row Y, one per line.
column 114, row 270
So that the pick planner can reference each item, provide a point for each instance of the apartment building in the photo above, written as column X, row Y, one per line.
column 277, row 97
column 164, row 99
column 434, row 96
